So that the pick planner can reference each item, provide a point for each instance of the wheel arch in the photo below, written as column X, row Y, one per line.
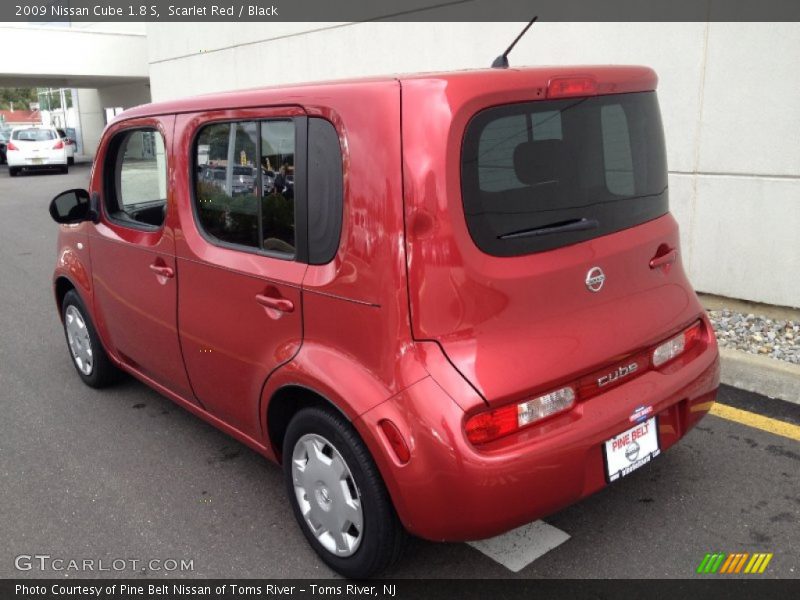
column 284, row 404
column 62, row 285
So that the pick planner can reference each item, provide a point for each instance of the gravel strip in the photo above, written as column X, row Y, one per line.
column 779, row 339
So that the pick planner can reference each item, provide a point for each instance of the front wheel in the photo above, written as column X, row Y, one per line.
column 88, row 355
column 338, row 496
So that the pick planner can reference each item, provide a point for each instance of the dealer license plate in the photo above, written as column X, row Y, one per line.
column 631, row 449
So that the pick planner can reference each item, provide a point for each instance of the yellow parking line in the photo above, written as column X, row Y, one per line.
column 767, row 424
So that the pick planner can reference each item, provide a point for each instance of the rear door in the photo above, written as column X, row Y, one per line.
column 559, row 208
column 239, row 254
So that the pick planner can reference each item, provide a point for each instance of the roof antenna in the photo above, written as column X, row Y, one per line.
column 501, row 62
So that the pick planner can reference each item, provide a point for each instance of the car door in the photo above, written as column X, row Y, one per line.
column 238, row 254
column 133, row 251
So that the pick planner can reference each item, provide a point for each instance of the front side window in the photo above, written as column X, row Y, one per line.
column 244, row 184
column 136, row 194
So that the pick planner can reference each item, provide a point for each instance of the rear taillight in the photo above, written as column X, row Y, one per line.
column 493, row 424
column 564, row 87
column 11, row 147
column 58, row 145
column 677, row 345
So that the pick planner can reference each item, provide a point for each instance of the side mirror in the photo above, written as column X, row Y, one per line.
column 72, row 206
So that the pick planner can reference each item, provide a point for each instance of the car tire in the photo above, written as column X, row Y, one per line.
column 70, row 160
column 93, row 366
column 12, row 171
column 65, row 169
column 366, row 548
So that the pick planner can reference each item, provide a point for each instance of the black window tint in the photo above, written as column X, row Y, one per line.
column 136, row 185
column 540, row 175
column 617, row 151
column 325, row 190
column 278, row 176
column 226, row 188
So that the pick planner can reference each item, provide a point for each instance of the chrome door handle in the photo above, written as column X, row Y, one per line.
column 281, row 304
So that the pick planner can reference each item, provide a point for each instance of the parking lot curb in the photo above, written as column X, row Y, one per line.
column 760, row 374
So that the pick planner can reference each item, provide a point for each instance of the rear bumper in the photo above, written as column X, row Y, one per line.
column 451, row 491
column 37, row 163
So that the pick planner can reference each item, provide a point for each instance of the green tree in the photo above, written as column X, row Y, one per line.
column 20, row 97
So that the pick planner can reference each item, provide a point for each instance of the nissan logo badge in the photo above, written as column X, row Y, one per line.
column 595, row 279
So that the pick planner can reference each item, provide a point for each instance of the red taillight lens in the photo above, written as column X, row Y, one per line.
column 491, row 425
column 396, row 440
column 58, row 145
column 11, row 147
column 564, row 87
column 674, row 347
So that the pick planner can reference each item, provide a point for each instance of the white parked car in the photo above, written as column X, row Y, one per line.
column 36, row 148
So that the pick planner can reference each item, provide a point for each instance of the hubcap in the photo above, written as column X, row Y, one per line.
column 80, row 345
column 327, row 495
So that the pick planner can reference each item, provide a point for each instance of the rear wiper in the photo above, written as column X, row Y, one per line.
column 560, row 227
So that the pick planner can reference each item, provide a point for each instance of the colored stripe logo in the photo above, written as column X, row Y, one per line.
column 733, row 564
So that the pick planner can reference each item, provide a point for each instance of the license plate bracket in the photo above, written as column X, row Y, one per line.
column 631, row 449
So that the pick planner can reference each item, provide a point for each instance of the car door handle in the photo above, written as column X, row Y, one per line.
column 664, row 259
column 163, row 271
column 281, row 304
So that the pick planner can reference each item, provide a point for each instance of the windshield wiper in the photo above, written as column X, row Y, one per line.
column 560, row 227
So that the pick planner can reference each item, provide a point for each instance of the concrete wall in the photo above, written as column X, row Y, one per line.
column 92, row 103
column 59, row 55
column 728, row 94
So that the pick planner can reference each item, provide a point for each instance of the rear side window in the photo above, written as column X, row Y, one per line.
column 325, row 191
column 244, row 185
column 136, row 184
column 541, row 175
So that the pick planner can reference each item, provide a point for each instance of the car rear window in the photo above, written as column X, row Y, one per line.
column 33, row 135
column 540, row 175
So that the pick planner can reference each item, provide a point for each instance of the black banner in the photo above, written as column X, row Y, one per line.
column 398, row 10
column 734, row 588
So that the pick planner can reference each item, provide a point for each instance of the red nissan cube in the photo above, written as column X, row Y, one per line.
column 447, row 304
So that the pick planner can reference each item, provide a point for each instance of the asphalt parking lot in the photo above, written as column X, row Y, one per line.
column 125, row 473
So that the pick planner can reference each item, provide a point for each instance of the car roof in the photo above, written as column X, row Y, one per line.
column 636, row 78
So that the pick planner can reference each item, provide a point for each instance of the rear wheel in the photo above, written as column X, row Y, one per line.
column 338, row 496
column 65, row 169
column 12, row 171
column 88, row 355
column 70, row 160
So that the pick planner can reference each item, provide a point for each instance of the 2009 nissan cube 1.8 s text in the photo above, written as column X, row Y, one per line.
column 447, row 304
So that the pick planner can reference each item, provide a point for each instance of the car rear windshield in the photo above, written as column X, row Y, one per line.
column 33, row 135
column 541, row 175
